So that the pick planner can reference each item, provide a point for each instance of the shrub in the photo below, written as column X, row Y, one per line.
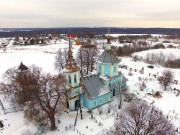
column 135, row 58
column 144, row 43
column 173, row 63
column 139, row 118
column 171, row 46
column 158, row 46
column 166, row 41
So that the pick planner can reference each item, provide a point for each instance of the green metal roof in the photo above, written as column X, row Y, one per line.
column 109, row 57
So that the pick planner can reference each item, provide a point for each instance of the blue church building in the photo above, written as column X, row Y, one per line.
column 97, row 88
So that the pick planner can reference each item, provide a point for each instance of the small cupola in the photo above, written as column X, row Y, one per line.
column 22, row 67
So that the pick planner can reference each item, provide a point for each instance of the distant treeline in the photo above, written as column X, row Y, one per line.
column 101, row 30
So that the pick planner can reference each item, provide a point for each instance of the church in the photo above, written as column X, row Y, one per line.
column 97, row 88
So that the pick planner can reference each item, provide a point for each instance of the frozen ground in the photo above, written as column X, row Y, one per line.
column 44, row 56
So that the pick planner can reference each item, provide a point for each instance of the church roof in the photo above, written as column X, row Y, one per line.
column 22, row 67
column 94, row 86
column 124, row 79
column 108, row 56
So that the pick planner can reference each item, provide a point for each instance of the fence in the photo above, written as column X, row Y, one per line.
column 150, row 74
column 10, row 110
column 70, row 126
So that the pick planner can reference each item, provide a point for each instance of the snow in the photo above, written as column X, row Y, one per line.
column 14, row 124
column 44, row 56
column 174, row 53
column 40, row 59
column 116, row 35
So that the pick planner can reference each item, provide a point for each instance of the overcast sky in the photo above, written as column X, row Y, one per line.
column 89, row 13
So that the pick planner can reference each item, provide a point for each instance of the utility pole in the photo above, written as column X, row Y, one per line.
column 120, row 93
column 76, row 117
column 79, row 107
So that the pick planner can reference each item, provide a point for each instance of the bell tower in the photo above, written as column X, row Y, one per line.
column 73, row 85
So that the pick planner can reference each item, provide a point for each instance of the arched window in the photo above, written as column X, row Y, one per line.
column 95, row 103
column 100, row 100
column 69, row 79
column 99, row 68
column 106, row 99
column 75, row 79
column 115, row 69
column 107, row 70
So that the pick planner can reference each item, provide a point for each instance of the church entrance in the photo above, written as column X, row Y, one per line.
column 67, row 104
column 76, row 104
column 114, row 92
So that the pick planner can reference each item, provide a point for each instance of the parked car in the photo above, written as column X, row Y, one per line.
column 150, row 66
column 122, row 66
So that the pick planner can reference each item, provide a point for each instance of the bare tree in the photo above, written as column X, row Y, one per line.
column 93, row 55
column 60, row 59
column 86, row 58
column 80, row 59
column 89, row 41
column 49, row 101
column 19, row 84
column 135, row 58
column 41, row 93
column 139, row 118
column 166, row 78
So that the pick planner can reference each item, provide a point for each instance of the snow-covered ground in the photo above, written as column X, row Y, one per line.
column 174, row 53
column 44, row 56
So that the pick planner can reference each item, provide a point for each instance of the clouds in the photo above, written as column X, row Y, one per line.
column 76, row 13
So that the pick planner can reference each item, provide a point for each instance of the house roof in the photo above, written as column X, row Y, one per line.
column 108, row 57
column 22, row 67
column 94, row 86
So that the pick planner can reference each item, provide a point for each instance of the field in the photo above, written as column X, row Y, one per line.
column 44, row 56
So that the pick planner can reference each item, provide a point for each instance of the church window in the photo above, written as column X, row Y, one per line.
column 114, row 69
column 106, row 98
column 69, row 79
column 95, row 103
column 99, row 68
column 107, row 70
column 76, row 93
column 100, row 100
column 75, row 78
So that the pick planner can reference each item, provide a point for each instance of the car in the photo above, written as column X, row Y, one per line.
column 150, row 66
column 122, row 66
